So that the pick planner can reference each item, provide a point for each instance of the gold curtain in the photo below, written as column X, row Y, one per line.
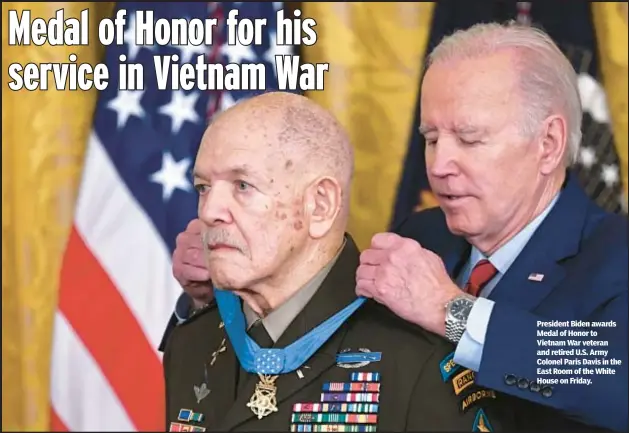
column 374, row 51
column 43, row 140
column 610, row 20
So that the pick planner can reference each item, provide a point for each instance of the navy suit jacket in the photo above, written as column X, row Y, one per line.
column 581, row 251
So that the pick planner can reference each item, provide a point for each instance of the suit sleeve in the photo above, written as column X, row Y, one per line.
column 509, row 365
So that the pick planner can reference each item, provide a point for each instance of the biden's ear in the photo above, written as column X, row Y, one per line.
column 554, row 144
column 322, row 205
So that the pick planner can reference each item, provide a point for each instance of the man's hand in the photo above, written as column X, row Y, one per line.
column 408, row 279
column 189, row 265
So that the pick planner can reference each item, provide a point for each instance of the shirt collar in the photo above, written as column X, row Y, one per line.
column 504, row 257
column 279, row 319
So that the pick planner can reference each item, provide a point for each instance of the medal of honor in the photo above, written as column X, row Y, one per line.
column 264, row 399
column 269, row 364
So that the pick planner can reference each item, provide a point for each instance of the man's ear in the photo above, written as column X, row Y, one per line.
column 323, row 204
column 554, row 142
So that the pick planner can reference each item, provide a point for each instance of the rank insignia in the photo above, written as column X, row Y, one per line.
column 481, row 423
column 474, row 397
column 448, row 367
column 177, row 426
column 462, row 381
column 187, row 415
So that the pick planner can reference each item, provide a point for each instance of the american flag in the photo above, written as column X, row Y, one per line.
column 117, row 291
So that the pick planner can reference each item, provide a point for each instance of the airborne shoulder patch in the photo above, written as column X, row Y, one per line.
column 473, row 398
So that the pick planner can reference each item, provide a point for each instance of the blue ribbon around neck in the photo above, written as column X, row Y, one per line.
column 255, row 359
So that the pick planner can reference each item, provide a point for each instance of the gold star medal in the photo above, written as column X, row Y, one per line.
column 263, row 402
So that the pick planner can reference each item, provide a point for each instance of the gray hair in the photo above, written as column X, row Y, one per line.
column 548, row 82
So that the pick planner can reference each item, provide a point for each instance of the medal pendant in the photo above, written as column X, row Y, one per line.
column 263, row 402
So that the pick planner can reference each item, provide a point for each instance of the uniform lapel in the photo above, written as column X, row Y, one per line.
column 221, row 381
column 336, row 292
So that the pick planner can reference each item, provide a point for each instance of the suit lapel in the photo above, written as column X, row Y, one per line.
column 456, row 256
column 557, row 238
column 336, row 292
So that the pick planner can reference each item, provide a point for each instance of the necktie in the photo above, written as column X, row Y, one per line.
column 260, row 335
column 481, row 274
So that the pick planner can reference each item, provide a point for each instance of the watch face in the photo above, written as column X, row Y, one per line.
column 460, row 308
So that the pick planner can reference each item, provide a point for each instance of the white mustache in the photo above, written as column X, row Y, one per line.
column 219, row 236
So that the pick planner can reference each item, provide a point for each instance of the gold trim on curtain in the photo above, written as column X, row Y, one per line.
column 610, row 21
column 43, row 141
column 375, row 52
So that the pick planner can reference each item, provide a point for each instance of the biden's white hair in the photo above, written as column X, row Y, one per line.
column 548, row 82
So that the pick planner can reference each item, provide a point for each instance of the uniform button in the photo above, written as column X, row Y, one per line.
column 534, row 387
column 523, row 383
column 510, row 379
column 547, row 391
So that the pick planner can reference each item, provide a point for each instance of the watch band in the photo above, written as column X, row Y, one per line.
column 456, row 327
column 455, row 330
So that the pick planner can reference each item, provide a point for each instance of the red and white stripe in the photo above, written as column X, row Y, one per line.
column 116, row 295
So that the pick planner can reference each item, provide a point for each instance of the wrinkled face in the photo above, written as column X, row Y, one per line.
column 250, row 202
column 483, row 171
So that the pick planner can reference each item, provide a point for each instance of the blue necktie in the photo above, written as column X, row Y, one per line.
column 254, row 359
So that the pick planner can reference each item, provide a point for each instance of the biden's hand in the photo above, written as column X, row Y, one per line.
column 189, row 266
column 409, row 280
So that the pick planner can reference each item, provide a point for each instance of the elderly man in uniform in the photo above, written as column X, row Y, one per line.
column 285, row 344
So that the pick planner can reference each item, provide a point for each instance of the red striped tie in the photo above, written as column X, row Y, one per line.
column 481, row 274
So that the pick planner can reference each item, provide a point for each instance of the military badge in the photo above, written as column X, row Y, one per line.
column 364, row 357
column 177, row 426
column 448, row 367
column 462, row 381
column 187, row 415
column 473, row 398
column 481, row 422
column 263, row 402
column 202, row 391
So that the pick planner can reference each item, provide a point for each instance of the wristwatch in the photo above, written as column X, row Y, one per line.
column 457, row 312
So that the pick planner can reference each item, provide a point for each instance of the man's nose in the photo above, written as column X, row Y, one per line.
column 442, row 158
column 215, row 206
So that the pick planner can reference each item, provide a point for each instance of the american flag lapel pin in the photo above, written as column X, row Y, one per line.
column 536, row 277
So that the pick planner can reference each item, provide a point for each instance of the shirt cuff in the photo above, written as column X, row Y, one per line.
column 469, row 350
column 182, row 308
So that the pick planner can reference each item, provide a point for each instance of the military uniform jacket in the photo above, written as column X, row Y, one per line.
column 410, row 388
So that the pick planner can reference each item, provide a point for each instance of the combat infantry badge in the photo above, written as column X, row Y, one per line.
column 364, row 357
